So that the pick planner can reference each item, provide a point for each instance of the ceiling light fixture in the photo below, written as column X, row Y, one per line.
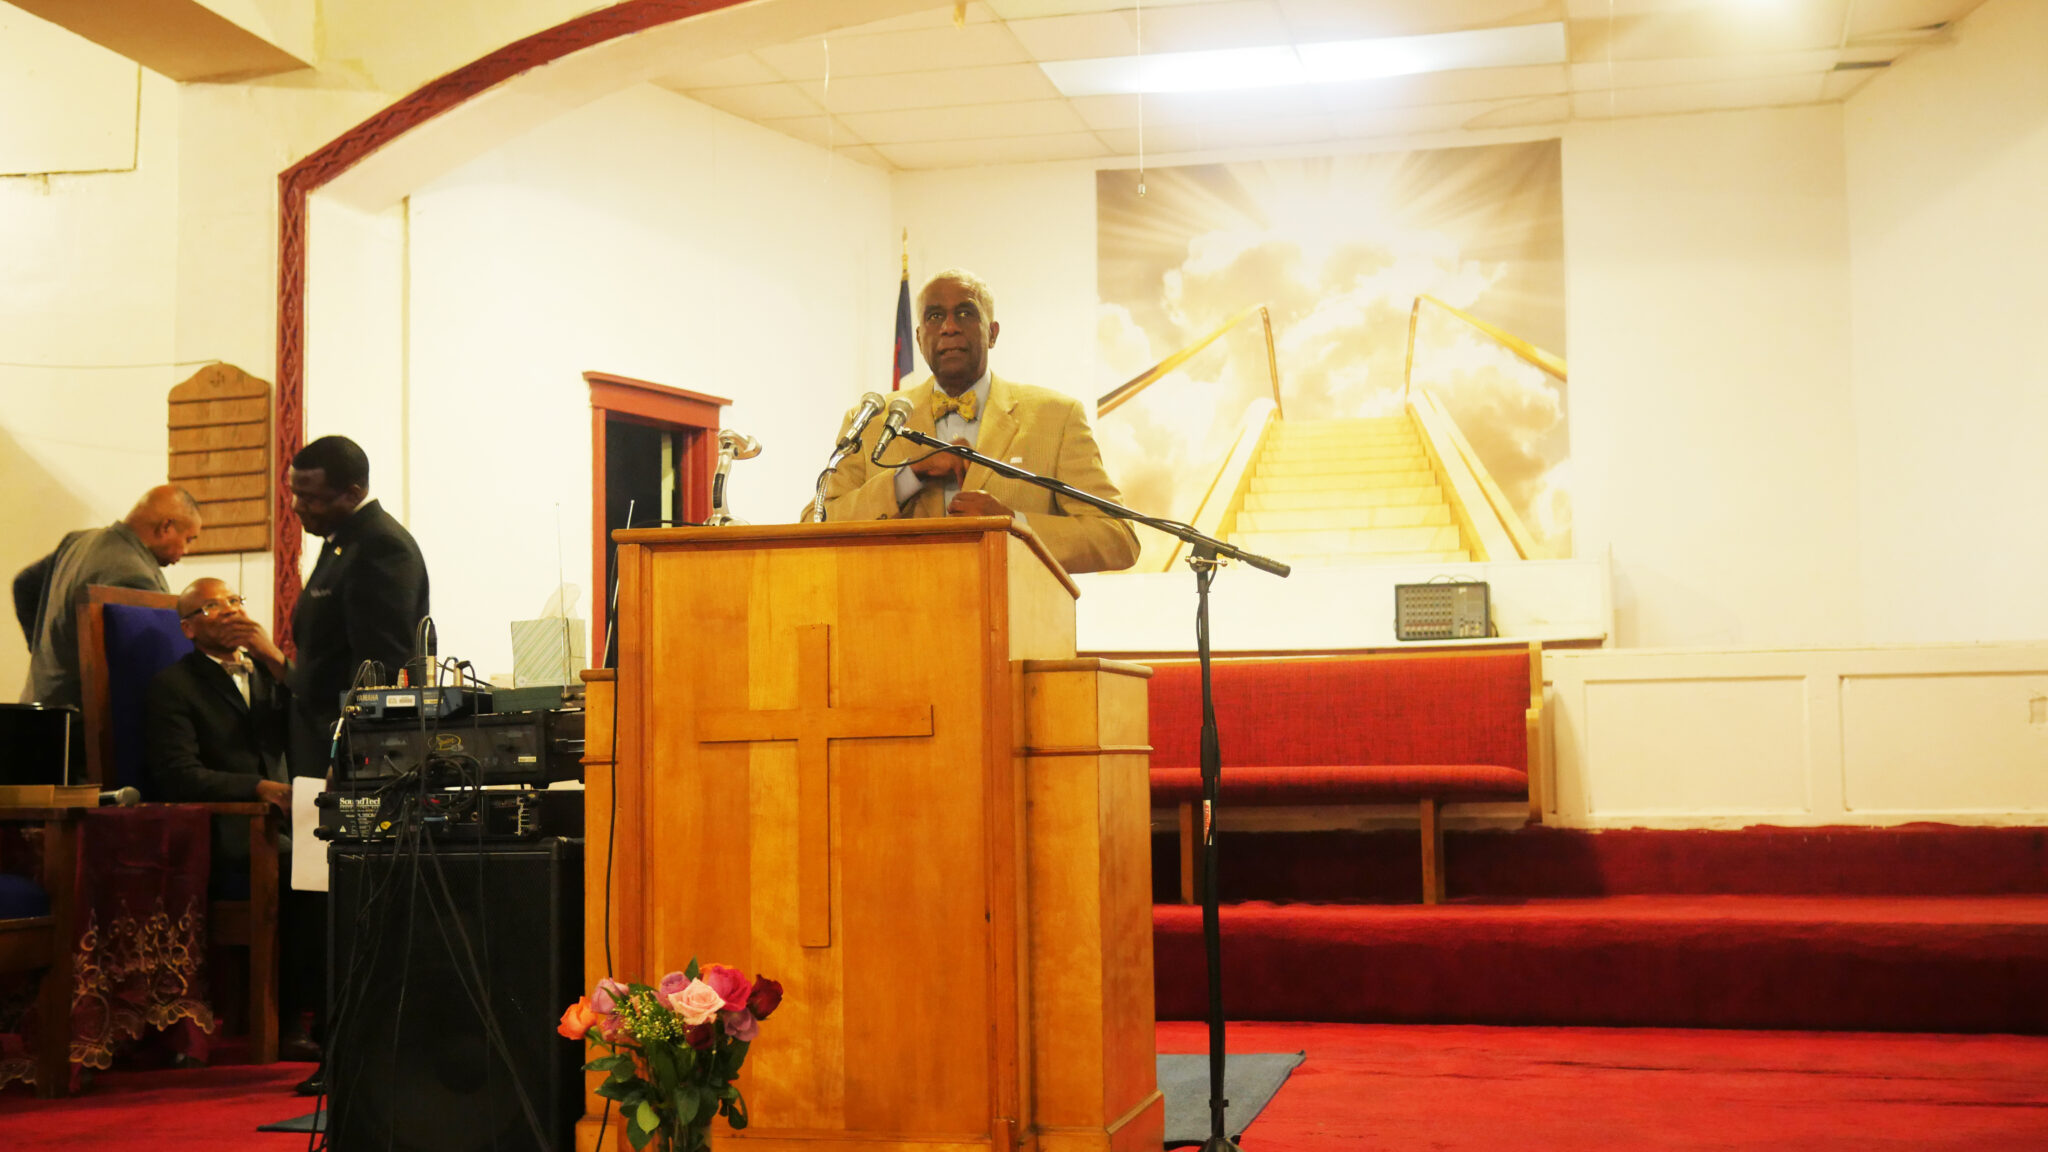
column 1336, row 62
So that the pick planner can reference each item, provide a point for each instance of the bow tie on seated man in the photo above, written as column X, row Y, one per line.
column 1036, row 429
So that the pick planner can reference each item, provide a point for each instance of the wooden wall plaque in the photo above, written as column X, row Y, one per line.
column 220, row 452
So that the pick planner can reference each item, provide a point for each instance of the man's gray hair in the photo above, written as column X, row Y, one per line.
column 968, row 280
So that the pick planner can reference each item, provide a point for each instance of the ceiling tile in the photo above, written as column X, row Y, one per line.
column 912, row 51
column 1876, row 17
column 1205, row 27
column 1463, row 86
column 1523, row 113
column 997, row 84
column 967, row 122
column 1028, row 9
column 1762, row 92
column 934, row 17
column 1003, row 150
column 730, row 72
column 1842, row 85
column 758, row 101
column 1700, row 70
column 1172, row 139
column 824, row 131
column 1781, row 26
column 1123, row 111
column 1314, row 20
column 1088, row 37
column 866, row 154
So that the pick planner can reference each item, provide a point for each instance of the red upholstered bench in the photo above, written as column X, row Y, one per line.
column 1426, row 728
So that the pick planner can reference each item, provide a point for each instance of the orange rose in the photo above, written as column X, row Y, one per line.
column 578, row 1018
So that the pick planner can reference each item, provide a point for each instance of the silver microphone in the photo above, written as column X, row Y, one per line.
column 870, row 407
column 899, row 411
column 742, row 446
column 120, row 798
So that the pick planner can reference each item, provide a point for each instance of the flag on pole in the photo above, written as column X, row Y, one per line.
column 905, row 364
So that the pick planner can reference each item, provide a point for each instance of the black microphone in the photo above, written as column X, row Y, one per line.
column 899, row 411
column 870, row 407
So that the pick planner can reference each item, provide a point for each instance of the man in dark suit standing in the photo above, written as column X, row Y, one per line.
column 215, row 730
column 363, row 602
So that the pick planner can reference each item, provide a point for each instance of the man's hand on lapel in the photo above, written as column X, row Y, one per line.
column 942, row 466
column 977, row 504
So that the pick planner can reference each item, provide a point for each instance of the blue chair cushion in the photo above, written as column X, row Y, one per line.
column 141, row 642
column 21, row 898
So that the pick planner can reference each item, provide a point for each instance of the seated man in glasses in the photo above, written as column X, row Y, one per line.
column 215, row 730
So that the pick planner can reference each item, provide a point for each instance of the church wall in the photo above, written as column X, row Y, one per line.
column 1948, row 217
column 646, row 236
column 88, row 311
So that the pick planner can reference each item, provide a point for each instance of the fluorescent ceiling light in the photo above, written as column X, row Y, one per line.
column 1217, row 71
column 1331, row 63
column 1443, row 52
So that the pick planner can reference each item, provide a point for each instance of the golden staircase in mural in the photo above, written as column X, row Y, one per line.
column 1346, row 491
column 1404, row 489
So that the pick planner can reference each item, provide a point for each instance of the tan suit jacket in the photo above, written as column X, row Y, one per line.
column 1036, row 429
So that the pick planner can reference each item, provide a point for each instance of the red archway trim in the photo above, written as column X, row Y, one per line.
column 298, row 182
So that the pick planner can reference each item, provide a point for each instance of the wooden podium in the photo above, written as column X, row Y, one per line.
column 863, row 760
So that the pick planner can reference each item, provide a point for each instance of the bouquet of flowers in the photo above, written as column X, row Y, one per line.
column 675, row 1049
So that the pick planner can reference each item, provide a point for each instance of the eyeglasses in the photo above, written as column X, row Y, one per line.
column 213, row 608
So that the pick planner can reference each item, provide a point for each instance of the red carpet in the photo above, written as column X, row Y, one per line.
column 1959, row 964
column 1368, row 1086
column 1459, row 1087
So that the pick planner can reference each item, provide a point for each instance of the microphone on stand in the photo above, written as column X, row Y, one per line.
column 899, row 411
column 870, row 407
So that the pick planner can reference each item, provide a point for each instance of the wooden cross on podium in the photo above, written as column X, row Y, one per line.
column 813, row 724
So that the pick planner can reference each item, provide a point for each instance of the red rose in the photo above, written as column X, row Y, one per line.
column 765, row 998
column 698, row 1036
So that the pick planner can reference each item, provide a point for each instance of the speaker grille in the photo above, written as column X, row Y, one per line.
column 411, row 1063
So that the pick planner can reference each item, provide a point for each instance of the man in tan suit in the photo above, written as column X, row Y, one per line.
column 1036, row 429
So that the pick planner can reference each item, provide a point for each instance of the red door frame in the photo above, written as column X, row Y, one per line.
column 644, row 402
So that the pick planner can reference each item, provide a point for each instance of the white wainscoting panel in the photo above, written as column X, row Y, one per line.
column 1726, row 738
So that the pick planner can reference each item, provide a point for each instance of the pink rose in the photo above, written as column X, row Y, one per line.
column 730, row 983
column 671, row 984
column 740, row 1025
column 606, row 995
column 697, row 1003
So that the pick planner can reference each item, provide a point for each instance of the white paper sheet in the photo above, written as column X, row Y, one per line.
column 309, row 852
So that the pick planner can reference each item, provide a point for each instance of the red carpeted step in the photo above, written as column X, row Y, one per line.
column 1919, row 964
column 1909, row 860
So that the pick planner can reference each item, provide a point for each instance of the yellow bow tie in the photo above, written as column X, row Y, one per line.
column 963, row 404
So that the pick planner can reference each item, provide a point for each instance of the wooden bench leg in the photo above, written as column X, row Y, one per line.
column 1189, row 846
column 1432, row 853
column 263, row 916
column 53, row 994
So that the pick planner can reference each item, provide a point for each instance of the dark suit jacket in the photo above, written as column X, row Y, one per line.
column 363, row 602
column 202, row 743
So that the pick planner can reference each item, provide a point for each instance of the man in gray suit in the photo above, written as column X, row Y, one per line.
column 132, row 552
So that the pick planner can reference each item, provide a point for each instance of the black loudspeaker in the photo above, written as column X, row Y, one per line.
column 424, row 941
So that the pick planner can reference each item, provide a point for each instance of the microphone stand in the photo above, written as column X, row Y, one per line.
column 840, row 452
column 1208, row 555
